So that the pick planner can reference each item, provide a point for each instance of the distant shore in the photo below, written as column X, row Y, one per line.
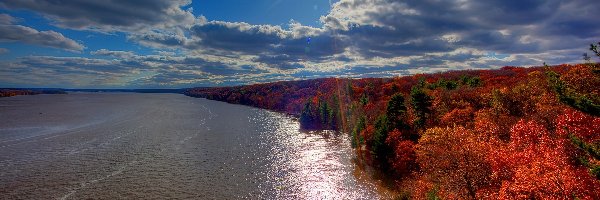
column 9, row 92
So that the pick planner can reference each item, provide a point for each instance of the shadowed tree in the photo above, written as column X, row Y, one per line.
column 421, row 103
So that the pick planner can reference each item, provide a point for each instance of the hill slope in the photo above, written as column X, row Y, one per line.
column 508, row 133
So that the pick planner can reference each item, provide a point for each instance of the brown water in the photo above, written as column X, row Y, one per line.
column 158, row 146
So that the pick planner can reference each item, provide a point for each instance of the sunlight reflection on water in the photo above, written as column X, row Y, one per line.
column 311, row 165
column 168, row 146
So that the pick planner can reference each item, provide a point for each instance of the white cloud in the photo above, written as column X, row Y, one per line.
column 358, row 37
column 29, row 35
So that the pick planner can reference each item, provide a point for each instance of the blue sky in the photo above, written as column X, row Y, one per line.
column 188, row 43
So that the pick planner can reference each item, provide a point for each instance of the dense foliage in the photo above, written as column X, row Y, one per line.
column 510, row 133
column 15, row 92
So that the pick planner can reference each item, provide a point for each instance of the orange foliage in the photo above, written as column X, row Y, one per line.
column 583, row 79
column 458, row 116
column 534, row 165
column 454, row 158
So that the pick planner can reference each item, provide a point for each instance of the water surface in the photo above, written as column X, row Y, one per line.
column 157, row 146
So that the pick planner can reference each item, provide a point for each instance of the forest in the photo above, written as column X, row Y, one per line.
column 9, row 92
column 508, row 133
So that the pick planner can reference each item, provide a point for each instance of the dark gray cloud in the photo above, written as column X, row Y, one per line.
column 238, row 37
column 311, row 47
column 6, row 19
column 372, row 41
column 390, row 28
column 274, row 46
column 496, row 41
column 521, row 12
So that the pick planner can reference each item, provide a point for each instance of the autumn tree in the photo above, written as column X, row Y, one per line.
column 454, row 159
column 582, row 131
column 403, row 157
column 535, row 165
column 578, row 87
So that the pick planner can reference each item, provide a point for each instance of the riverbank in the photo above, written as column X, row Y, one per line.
column 9, row 92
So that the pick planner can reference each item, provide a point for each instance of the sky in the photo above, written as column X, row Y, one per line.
column 200, row 43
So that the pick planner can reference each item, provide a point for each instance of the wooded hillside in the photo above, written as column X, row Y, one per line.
column 510, row 133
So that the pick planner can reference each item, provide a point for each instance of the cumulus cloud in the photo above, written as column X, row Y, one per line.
column 43, row 38
column 387, row 30
column 392, row 28
column 159, row 39
column 109, row 16
column 10, row 32
column 358, row 38
column 271, row 45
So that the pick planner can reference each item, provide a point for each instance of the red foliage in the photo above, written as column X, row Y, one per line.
column 394, row 137
column 455, row 159
column 534, row 165
column 527, row 134
column 581, row 125
column 11, row 92
column 583, row 79
column 458, row 116
column 404, row 158
column 367, row 133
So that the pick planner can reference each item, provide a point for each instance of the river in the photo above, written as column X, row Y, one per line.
column 168, row 146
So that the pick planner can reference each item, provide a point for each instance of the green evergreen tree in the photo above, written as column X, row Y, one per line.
column 396, row 110
column 378, row 147
column 307, row 120
column 357, row 139
column 570, row 97
column 421, row 103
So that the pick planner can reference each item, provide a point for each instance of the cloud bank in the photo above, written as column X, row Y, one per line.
column 357, row 38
